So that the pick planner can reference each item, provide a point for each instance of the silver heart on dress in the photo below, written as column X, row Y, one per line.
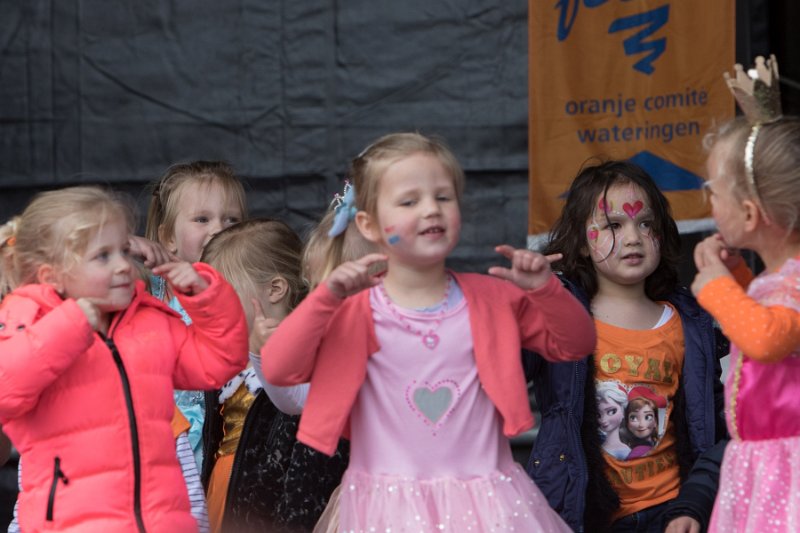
column 433, row 403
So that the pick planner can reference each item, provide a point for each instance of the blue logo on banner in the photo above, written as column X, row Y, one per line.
column 667, row 175
column 649, row 22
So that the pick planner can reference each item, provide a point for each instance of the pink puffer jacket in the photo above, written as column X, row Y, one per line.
column 91, row 416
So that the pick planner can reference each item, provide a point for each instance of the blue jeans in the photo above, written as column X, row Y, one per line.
column 650, row 520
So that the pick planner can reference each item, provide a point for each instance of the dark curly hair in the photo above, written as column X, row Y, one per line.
column 568, row 235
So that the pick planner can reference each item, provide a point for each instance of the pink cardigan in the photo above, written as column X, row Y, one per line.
column 64, row 405
column 327, row 341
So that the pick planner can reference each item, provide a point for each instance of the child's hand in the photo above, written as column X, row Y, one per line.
column 263, row 327
column 529, row 270
column 150, row 253
column 91, row 310
column 710, row 257
column 182, row 277
column 354, row 276
column 683, row 524
column 730, row 256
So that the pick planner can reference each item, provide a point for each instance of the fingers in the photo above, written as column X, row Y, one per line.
column 697, row 284
column 159, row 256
column 527, row 260
column 182, row 277
column 376, row 265
column 354, row 276
column 163, row 269
column 699, row 259
column 552, row 258
column 150, row 253
column 683, row 524
column 712, row 255
column 509, row 252
column 370, row 259
column 708, row 247
column 505, row 250
column 91, row 311
column 502, row 273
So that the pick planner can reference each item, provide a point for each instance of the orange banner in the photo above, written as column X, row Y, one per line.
column 639, row 80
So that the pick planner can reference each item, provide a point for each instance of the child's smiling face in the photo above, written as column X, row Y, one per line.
column 418, row 216
column 203, row 210
column 642, row 422
column 104, row 273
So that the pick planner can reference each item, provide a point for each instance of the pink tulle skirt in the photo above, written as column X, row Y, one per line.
column 759, row 487
column 504, row 501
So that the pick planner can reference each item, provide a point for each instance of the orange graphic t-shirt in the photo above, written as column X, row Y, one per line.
column 637, row 373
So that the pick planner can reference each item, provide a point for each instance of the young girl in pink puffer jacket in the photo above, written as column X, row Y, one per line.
column 88, row 362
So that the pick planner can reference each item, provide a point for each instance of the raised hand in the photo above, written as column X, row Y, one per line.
column 92, row 311
column 712, row 257
column 148, row 252
column 182, row 277
column 354, row 276
column 730, row 256
column 263, row 327
column 529, row 270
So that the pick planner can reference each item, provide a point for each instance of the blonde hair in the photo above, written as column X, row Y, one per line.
column 323, row 254
column 365, row 172
column 368, row 167
column 776, row 166
column 251, row 253
column 166, row 192
column 55, row 228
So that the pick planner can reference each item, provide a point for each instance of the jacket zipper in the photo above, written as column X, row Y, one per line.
column 57, row 475
column 137, row 467
column 580, row 393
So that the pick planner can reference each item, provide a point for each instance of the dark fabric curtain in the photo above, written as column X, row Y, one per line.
column 287, row 91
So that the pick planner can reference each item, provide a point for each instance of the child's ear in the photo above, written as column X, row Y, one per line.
column 752, row 215
column 167, row 240
column 277, row 290
column 47, row 274
column 368, row 226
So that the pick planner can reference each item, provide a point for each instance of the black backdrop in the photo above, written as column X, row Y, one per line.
column 285, row 90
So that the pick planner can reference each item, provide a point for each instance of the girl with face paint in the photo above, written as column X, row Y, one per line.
column 620, row 248
column 420, row 361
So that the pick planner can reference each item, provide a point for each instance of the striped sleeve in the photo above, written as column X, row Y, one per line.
column 197, row 497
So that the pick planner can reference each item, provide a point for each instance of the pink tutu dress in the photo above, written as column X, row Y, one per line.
column 427, row 448
column 760, row 480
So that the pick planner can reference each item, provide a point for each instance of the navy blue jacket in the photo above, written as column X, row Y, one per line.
column 567, row 462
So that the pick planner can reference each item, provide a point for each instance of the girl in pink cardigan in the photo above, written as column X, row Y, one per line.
column 421, row 366
column 88, row 361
